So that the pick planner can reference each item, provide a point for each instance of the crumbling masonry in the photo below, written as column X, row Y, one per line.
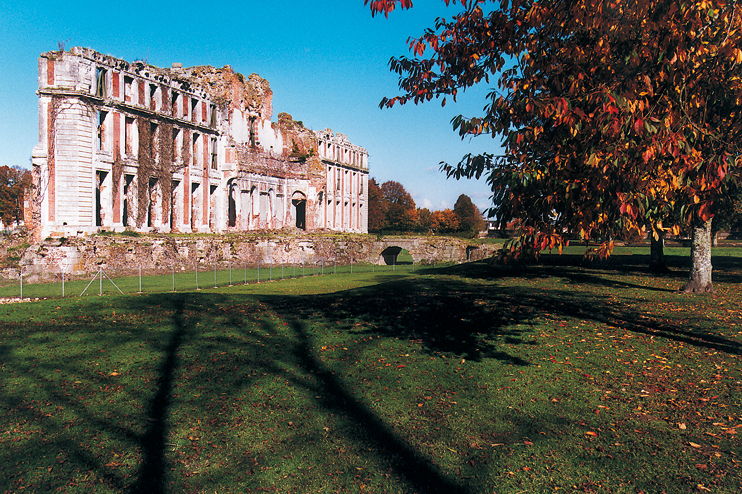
column 131, row 146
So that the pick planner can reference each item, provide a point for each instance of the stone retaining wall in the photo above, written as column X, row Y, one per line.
column 126, row 255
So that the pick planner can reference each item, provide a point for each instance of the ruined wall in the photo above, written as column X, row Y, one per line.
column 122, row 255
column 132, row 146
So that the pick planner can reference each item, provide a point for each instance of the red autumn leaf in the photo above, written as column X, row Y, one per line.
column 638, row 125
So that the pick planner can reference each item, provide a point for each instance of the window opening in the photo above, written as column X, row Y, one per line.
column 213, row 154
column 128, row 135
column 176, row 148
column 153, row 141
column 174, row 103
column 194, row 205
column 99, row 178
column 299, row 201
column 153, row 97
column 128, row 89
column 100, row 86
column 151, row 212
column 212, row 204
column 232, row 206
column 194, row 152
column 128, row 179
column 174, row 185
column 102, row 130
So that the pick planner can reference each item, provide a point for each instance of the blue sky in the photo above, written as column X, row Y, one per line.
column 326, row 61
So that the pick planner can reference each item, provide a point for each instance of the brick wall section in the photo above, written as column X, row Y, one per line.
column 115, row 78
column 141, row 93
column 50, row 71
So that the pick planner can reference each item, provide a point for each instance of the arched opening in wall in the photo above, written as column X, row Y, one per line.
column 232, row 205
column 395, row 255
column 299, row 201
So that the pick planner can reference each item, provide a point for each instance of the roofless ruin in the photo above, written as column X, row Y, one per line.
column 132, row 146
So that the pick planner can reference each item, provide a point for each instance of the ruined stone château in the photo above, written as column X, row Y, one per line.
column 131, row 146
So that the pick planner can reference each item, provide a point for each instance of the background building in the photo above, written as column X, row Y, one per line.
column 131, row 146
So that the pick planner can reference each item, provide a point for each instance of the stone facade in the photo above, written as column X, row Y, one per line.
column 132, row 146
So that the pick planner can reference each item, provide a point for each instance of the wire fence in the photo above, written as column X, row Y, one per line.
column 184, row 277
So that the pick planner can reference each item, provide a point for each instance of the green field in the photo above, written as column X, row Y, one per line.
column 558, row 376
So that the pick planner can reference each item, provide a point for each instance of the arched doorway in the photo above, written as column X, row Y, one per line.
column 299, row 201
column 232, row 204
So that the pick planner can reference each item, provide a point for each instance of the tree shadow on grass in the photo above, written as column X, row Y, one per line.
column 578, row 269
column 151, row 477
column 367, row 428
column 444, row 315
column 597, row 308
column 448, row 315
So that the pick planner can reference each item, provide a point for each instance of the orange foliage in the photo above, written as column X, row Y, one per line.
column 615, row 116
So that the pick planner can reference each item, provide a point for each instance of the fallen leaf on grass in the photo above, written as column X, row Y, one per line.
column 590, row 433
column 682, row 426
column 694, row 445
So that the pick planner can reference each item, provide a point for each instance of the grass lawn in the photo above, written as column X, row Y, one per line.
column 466, row 379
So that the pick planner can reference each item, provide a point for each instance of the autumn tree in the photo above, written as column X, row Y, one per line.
column 615, row 117
column 400, row 207
column 470, row 218
column 376, row 207
column 13, row 182
column 424, row 220
column 445, row 221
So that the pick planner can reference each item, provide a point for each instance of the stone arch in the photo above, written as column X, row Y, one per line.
column 299, row 201
column 390, row 255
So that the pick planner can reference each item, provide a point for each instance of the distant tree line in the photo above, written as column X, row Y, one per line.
column 392, row 209
column 13, row 181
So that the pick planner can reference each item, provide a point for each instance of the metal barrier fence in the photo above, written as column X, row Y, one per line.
column 182, row 277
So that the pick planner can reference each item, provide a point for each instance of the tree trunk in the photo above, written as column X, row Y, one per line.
column 700, row 253
column 657, row 254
